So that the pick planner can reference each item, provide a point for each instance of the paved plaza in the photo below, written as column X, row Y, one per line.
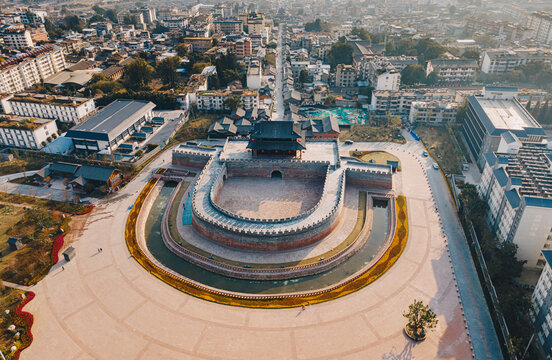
column 269, row 198
column 105, row 306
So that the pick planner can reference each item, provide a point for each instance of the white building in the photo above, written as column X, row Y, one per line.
column 381, row 73
column 453, row 70
column 254, row 77
column 501, row 61
column 31, row 68
column 540, row 23
column 63, row 108
column 105, row 130
column 214, row 99
column 26, row 132
column 400, row 102
column 17, row 37
column 345, row 76
column 541, row 301
column 433, row 112
column 516, row 183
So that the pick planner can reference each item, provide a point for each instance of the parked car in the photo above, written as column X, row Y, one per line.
column 425, row 154
column 349, row 142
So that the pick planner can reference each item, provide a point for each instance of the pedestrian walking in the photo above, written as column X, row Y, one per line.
column 303, row 306
column 62, row 268
column 98, row 249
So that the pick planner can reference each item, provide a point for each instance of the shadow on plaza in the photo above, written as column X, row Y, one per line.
column 404, row 354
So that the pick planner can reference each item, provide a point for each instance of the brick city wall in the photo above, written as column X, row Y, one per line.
column 288, row 169
column 369, row 179
column 266, row 242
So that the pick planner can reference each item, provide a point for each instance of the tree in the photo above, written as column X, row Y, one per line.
column 471, row 54
column 166, row 70
column 318, row 26
column 160, row 29
column 73, row 22
column 270, row 59
column 303, row 76
column 361, row 33
column 138, row 74
column 432, row 78
column 111, row 14
column 341, row 53
column 198, row 67
column 182, row 50
column 232, row 102
column 413, row 74
column 420, row 317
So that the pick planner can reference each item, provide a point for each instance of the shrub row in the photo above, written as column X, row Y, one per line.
column 25, row 320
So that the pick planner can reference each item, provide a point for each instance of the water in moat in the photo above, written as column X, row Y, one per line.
column 158, row 249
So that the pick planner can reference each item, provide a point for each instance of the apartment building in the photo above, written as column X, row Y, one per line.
column 31, row 68
column 214, row 99
column 492, row 113
column 516, row 183
column 453, row 70
column 199, row 44
column 17, row 37
column 499, row 62
column 400, row 102
column 345, row 76
column 541, row 304
column 228, row 27
column 26, row 132
column 540, row 23
column 66, row 109
column 432, row 112
column 381, row 72
column 243, row 48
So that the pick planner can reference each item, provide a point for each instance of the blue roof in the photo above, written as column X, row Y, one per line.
column 513, row 198
column 490, row 158
column 538, row 202
column 501, row 176
column 501, row 88
column 94, row 173
column 503, row 160
column 516, row 181
column 547, row 255
column 61, row 145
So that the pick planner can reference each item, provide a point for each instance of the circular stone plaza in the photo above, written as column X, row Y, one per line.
column 267, row 225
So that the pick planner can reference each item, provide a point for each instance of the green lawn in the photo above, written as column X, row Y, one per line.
column 442, row 147
column 378, row 157
column 196, row 127
column 9, row 216
column 20, row 165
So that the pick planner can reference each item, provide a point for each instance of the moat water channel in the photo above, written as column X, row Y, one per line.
column 158, row 250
